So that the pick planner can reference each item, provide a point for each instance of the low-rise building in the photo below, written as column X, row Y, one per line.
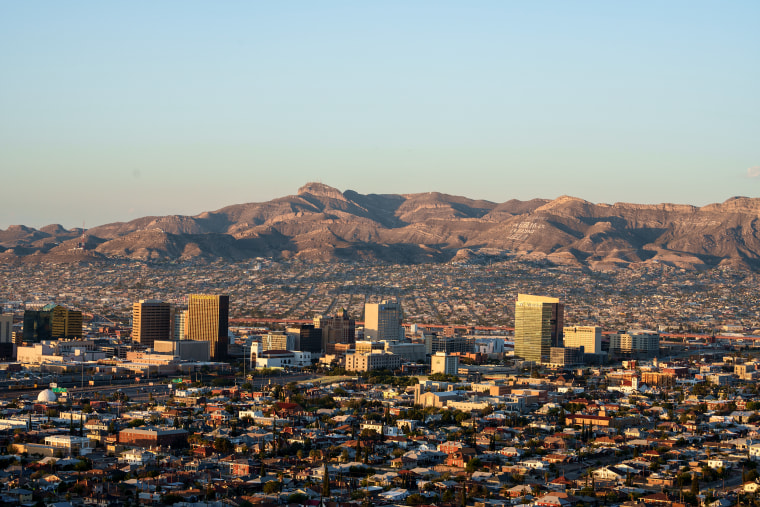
column 442, row 362
column 153, row 437
column 70, row 444
column 372, row 361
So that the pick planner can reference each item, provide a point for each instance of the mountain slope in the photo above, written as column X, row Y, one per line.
column 322, row 223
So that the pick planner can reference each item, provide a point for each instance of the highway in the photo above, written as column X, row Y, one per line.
column 142, row 391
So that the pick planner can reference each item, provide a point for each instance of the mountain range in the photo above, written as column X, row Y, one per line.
column 321, row 223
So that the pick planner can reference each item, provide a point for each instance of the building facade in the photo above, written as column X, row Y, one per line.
column 151, row 321
column 382, row 321
column 65, row 323
column 337, row 329
column 310, row 339
column 566, row 356
column 435, row 343
column 635, row 343
column 6, row 336
column 372, row 361
column 283, row 359
column 70, row 445
column 208, row 320
column 588, row 337
column 277, row 340
column 153, row 437
column 538, row 327
column 52, row 321
column 179, row 323
column 186, row 350
column 444, row 363
column 410, row 352
column 37, row 326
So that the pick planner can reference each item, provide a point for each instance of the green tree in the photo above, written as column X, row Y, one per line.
column 473, row 465
column 223, row 445
column 326, row 482
column 272, row 487
column 415, row 499
column 298, row 498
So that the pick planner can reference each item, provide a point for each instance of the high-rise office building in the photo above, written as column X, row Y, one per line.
column 6, row 336
column 51, row 322
column 37, row 326
column 151, row 321
column 208, row 320
column 180, row 324
column 382, row 321
column 435, row 343
column 588, row 337
column 311, row 339
column 538, row 327
column 338, row 329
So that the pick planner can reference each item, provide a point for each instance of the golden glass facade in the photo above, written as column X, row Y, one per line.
column 538, row 325
column 66, row 323
column 208, row 320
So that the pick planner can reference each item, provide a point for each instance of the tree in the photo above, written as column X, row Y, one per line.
column 223, row 445
column 415, row 499
column 298, row 498
column 694, row 486
column 472, row 465
column 326, row 482
column 272, row 487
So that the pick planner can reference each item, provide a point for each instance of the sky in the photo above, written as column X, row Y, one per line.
column 110, row 111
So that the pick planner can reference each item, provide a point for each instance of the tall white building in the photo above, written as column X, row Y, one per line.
column 442, row 362
column 588, row 337
column 382, row 321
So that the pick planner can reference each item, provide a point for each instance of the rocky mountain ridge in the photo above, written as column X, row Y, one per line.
column 321, row 223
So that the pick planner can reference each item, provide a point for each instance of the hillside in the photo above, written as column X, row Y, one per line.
column 321, row 223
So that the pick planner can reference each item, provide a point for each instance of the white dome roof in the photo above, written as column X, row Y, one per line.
column 47, row 396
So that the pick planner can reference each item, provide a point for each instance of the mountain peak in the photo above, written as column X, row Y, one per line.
column 323, row 223
column 321, row 190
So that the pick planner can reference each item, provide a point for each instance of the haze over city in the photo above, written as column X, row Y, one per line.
column 115, row 111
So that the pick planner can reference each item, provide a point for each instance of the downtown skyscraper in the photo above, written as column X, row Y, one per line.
column 208, row 320
column 538, row 327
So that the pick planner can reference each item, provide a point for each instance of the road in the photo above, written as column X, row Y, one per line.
column 142, row 391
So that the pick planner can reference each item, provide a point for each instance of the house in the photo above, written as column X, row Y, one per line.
column 461, row 457
column 554, row 499
column 561, row 483
column 609, row 474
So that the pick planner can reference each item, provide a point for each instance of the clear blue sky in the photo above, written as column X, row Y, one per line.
column 114, row 110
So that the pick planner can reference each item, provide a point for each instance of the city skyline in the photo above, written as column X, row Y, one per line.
column 111, row 112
